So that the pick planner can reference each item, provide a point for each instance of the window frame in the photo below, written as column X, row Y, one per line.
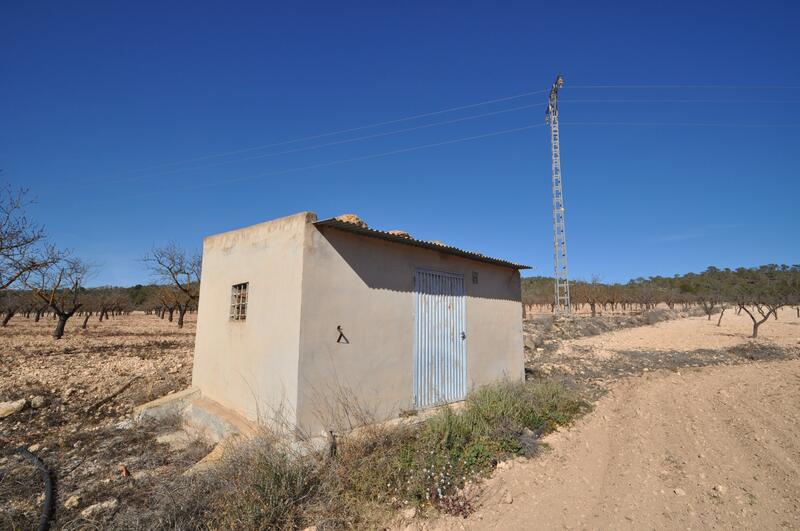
column 238, row 305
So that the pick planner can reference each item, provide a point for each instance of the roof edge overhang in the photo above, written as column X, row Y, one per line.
column 447, row 249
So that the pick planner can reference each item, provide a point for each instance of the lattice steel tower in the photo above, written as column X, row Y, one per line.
column 562, row 303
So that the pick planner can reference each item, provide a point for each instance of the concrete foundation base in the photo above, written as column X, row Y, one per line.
column 201, row 417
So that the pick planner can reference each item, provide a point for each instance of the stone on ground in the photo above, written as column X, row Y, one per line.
column 177, row 440
column 97, row 508
column 9, row 408
column 38, row 402
column 72, row 502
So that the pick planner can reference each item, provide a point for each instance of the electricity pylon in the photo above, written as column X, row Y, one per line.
column 562, row 302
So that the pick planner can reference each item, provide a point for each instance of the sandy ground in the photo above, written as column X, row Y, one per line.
column 695, row 426
column 593, row 363
column 691, row 334
column 714, row 447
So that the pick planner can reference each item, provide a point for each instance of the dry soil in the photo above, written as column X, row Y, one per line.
column 96, row 454
column 695, row 426
column 710, row 447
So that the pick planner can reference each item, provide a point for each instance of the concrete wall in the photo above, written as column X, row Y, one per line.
column 251, row 366
column 366, row 285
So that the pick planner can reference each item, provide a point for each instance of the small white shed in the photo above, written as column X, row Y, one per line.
column 319, row 318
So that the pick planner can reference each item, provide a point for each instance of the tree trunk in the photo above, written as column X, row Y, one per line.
column 171, row 312
column 594, row 309
column 757, row 323
column 181, row 313
column 7, row 317
column 720, row 316
column 62, row 322
column 86, row 319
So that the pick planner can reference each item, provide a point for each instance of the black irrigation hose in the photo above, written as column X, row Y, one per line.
column 49, row 487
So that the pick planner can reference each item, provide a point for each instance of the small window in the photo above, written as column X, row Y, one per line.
column 239, row 302
column 474, row 277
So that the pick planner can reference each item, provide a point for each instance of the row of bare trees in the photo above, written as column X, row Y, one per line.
column 178, row 274
column 99, row 303
column 28, row 261
column 36, row 278
column 597, row 296
column 23, row 248
column 758, row 292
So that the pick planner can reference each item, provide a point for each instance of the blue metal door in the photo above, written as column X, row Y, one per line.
column 440, row 346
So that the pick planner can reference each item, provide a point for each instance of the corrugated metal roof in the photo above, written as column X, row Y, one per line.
column 383, row 235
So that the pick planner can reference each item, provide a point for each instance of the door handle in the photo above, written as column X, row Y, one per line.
column 463, row 335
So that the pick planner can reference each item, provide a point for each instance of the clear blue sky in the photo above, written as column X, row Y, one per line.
column 93, row 92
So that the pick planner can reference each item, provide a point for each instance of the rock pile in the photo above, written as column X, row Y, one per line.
column 352, row 219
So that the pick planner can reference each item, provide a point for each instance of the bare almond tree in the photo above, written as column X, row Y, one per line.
column 594, row 293
column 761, row 292
column 167, row 297
column 174, row 266
column 10, row 303
column 21, row 240
column 61, row 286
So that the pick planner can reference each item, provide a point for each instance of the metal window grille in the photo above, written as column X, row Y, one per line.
column 239, row 302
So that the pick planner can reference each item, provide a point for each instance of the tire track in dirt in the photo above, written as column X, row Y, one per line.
column 714, row 447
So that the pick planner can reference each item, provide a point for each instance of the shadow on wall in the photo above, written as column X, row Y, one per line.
column 389, row 265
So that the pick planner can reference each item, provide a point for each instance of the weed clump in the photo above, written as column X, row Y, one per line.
column 432, row 461
column 266, row 484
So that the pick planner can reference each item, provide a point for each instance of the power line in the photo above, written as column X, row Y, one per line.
column 328, row 144
column 418, row 116
column 343, row 131
column 423, row 126
column 465, row 139
column 462, row 107
column 365, row 157
column 685, row 124
column 678, row 101
column 730, row 87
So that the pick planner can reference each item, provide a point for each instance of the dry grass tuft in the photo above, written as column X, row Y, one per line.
column 265, row 484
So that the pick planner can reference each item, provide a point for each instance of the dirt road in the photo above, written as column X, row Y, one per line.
column 717, row 447
column 714, row 447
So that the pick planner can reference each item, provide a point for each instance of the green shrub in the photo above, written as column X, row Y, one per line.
column 429, row 463
column 263, row 485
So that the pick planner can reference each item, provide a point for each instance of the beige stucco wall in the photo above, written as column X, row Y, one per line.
column 366, row 285
column 251, row 366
